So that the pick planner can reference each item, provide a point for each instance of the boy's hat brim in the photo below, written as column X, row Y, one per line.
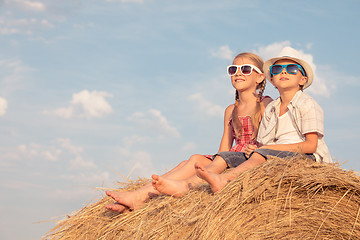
column 305, row 65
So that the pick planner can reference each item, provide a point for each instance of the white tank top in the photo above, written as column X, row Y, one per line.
column 286, row 132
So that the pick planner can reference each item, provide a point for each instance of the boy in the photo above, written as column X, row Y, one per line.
column 292, row 124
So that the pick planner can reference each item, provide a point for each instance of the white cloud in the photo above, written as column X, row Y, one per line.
column 138, row 163
column 86, row 104
column 8, row 31
column 272, row 50
column 66, row 144
column 21, row 185
column 26, row 5
column 190, row 146
column 83, row 26
column 46, row 23
column 130, row 141
column 206, row 106
column 79, row 162
column 224, row 52
column 153, row 119
column 319, row 86
column 3, row 106
column 34, row 150
column 10, row 25
column 12, row 73
column 125, row 1
column 61, row 149
column 71, row 194
column 86, row 178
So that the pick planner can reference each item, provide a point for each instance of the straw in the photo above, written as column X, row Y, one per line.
column 281, row 199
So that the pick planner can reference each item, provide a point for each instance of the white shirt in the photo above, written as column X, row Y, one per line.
column 306, row 115
column 285, row 132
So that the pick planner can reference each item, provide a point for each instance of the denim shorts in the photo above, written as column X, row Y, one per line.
column 281, row 154
column 234, row 159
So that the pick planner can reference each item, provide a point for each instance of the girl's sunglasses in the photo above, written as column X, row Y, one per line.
column 245, row 69
column 290, row 68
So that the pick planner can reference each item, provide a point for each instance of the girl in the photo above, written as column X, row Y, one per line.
column 241, row 123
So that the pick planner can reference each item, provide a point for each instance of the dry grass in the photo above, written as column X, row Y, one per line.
column 281, row 199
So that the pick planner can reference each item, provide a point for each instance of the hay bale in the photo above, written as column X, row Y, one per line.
column 281, row 199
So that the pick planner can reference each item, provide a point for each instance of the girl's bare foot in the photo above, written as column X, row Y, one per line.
column 117, row 207
column 216, row 181
column 130, row 199
column 176, row 188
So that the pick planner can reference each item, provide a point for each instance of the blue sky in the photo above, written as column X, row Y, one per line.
column 92, row 92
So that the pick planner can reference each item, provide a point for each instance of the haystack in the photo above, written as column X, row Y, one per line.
column 281, row 199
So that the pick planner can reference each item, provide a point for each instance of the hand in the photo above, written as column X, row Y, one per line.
column 249, row 149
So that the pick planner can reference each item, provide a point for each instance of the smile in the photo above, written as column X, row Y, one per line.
column 239, row 80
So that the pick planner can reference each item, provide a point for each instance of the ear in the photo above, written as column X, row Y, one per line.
column 271, row 80
column 260, row 78
column 303, row 81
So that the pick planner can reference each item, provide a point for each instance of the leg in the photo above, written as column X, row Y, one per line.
column 178, row 188
column 219, row 181
column 135, row 199
column 186, row 169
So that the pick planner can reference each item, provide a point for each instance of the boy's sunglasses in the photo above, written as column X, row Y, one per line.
column 290, row 68
column 245, row 69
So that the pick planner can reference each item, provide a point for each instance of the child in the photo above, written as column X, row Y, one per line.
column 241, row 122
column 292, row 124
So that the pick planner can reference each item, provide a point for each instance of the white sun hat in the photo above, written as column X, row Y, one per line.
column 308, row 70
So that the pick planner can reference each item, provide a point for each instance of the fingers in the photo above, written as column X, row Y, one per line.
column 249, row 149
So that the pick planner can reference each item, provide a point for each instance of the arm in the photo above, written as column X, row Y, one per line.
column 264, row 103
column 227, row 138
column 308, row 146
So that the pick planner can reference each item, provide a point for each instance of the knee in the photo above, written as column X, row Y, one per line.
column 194, row 158
column 183, row 163
column 197, row 158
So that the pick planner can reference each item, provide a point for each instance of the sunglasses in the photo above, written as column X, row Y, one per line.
column 290, row 68
column 245, row 69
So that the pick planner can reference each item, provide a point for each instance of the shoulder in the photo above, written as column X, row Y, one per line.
column 302, row 97
column 305, row 102
column 270, row 109
column 229, row 110
column 271, row 105
column 265, row 100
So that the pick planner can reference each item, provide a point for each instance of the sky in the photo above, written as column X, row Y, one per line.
column 93, row 92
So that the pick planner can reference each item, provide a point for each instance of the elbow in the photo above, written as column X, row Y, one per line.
column 311, row 148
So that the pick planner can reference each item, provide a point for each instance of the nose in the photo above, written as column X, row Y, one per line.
column 284, row 71
column 238, row 72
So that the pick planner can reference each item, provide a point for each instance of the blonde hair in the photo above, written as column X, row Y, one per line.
column 256, row 117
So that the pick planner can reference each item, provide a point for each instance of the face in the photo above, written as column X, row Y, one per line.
column 245, row 82
column 286, row 81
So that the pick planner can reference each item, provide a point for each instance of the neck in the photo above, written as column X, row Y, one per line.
column 287, row 95
column 247, row 97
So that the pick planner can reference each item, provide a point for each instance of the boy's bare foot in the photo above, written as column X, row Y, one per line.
column 216, row 181
column 130, row 199
column 117, row 207
column 176, row 188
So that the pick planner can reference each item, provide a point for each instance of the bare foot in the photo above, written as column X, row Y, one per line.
column 130, row 199
column 216, row 181
column 117, row 207
column 176, row 188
